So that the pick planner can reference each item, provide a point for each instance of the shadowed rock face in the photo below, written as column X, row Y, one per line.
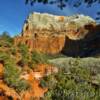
column 52, row 34
column 89, row 46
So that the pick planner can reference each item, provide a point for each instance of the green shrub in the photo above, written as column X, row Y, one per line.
column 39, row 57
column 66, row 88
column 12, row 73
column 43, row 83
column 12, row 77
column 6, row 40
column 13, row 50
column 73, row 82
column 24, row 53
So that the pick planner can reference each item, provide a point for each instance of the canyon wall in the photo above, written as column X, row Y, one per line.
column 53, row 34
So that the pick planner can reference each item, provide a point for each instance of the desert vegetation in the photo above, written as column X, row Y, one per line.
column 77, row 78
column 14, row 58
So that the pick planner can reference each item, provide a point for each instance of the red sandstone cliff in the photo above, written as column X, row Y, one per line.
column 52, row 34
column 45, row 44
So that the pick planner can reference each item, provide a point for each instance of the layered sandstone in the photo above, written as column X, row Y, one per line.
column 46, row 24
column 44, row 44
column 52, row 34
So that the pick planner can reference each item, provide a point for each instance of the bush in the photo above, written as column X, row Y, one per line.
column 24, row 53
column 12, row 73
column 13, row 50
column 43, row 83
column 6, row 40
column 72, row 84
column 39, row 57
column 66, row 88
column 12, row 77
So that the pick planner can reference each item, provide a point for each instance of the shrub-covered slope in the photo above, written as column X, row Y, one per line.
column 26, row 75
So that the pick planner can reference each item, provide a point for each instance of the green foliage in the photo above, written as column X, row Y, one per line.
column 74, row 80
column 31, row 58
column 24, row 53
column 73, row 83
column 54, row 56
column 6, row 36
column 3, row 56
column 62, row 3
column 12, row 73
column 5, row 40
column 43, row 83
column 66, row 88
column 38, row 57
column 12, row 77
column 23, row 49
column 13, row 50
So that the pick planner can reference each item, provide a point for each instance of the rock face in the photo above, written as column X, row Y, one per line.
column 45, row 24
column 45, row 44
column 89, row 46
column 52, row 34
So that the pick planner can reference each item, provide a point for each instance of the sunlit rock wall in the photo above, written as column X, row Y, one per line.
column 51, row 33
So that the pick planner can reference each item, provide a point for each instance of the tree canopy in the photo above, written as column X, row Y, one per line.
column 62, row 3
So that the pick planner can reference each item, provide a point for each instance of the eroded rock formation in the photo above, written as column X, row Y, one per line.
column 52, row 34
column 88, row 46
column 45, row 44
column 46, row 24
